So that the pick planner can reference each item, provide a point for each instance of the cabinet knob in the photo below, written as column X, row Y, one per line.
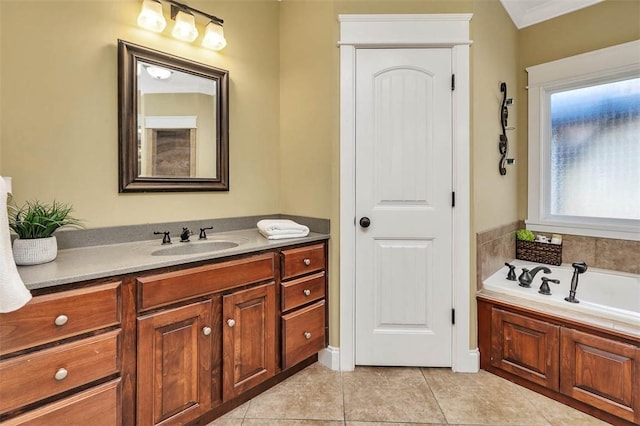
column 61, row 320
column 231, row 322
column 307, row 335
column 306, row 292
column 307, row 262
column 61, row 374
column 206, row 331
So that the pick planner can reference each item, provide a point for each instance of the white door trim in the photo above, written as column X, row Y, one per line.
column 388, row 31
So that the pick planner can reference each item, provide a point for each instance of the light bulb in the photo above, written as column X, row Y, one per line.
column 214, row 37
column 185, row 27
column 151, row 17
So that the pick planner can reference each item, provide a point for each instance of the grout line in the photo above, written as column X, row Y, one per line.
column 434, row 395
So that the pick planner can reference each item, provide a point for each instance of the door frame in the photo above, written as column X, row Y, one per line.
column 395, row 31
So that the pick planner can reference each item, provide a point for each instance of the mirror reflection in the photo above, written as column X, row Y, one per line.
column 173, row 123
column 176, row 123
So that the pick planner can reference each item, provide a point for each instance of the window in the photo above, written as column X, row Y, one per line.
column 584, row 144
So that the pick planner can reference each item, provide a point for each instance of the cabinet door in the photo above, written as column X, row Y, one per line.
column 248, row 339
column 174, row 364
column 602, row 373
column 525, row 347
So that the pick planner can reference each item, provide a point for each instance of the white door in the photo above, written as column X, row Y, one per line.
column 403, row 186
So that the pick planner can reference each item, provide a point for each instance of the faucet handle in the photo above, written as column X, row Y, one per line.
column 550, row 280
column 511, row 275
column 203, row 234
column 166, row 239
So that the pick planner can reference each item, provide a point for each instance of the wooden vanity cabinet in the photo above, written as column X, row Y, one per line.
column 174, row 364
column 248, row 338
column 304, row 310
column 206, row 335
column 61, row 357
column 579, row 365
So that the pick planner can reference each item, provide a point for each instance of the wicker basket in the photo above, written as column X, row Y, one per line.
column 532, row 251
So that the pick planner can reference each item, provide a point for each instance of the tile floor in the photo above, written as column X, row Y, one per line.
column 318, row 396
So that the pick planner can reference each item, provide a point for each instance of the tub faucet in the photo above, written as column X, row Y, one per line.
column 526, row 277
column 578, row 268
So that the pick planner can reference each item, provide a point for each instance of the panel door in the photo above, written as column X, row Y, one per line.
column 602, row 373
column 403, row 187
column 174, row 365
column 525, row 347
column 249, row 321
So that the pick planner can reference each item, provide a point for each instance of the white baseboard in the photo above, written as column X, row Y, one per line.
column 469, row 363
column 330, row 357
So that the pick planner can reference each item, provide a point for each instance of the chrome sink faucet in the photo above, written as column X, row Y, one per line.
column 526, row 277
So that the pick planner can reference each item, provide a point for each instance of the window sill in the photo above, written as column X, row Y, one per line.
column 587, row 230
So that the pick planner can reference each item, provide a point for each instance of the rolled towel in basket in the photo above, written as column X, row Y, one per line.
column 276, row 229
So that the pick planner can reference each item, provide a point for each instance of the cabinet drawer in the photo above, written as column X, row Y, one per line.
column 162, row 289
column 31, row 377
column 302, row 334
column 99, row 406
column 56, row 316
column 302, row 260
column 303, row 290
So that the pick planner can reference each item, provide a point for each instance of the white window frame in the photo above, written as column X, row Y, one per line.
column 597, row 67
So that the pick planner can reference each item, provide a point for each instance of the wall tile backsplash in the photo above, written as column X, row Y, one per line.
column 496, row 246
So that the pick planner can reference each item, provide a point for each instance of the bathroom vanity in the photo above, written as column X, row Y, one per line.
column 175, row 344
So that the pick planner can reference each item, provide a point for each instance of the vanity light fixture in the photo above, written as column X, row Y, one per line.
column 214, row 36
column 185, row 27
column 151, row 18
column 159, row 73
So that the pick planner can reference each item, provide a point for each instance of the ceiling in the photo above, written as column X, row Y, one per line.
column 528, row 12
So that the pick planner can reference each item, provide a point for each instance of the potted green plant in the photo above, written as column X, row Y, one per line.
column 35, row 223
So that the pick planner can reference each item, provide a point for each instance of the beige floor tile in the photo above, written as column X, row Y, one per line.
column 291, row 422
column 389, row 395
column 225, row 421
column 391, row 424
column 481, row 398
column 557, row 413
column 313, row 394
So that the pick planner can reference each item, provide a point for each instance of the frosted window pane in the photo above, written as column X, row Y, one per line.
column 595, row 151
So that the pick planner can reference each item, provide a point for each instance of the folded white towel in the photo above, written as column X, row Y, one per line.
column 13, row 293
column 277, row 229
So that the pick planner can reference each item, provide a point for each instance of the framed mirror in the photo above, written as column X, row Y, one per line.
column 173, row 122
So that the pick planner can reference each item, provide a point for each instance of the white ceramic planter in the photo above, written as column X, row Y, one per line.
column 35, row 251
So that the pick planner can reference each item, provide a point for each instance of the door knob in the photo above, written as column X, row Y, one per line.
column 365, row 222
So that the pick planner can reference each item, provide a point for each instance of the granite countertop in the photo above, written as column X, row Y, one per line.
column 88, row 263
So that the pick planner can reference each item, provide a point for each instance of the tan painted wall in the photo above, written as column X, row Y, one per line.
column 59, row 108
column 602, row 25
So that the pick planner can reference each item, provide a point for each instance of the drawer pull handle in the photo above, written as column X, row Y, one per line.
column 61, row 374
column 307, row 262
column 306, row 292
column 61, row 320
column 206, row 331
column 231, row 322
column 307, row 335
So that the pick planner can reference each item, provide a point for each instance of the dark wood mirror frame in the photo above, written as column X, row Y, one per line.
column 130, row 179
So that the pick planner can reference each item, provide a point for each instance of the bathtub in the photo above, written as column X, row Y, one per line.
column 603, row 294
